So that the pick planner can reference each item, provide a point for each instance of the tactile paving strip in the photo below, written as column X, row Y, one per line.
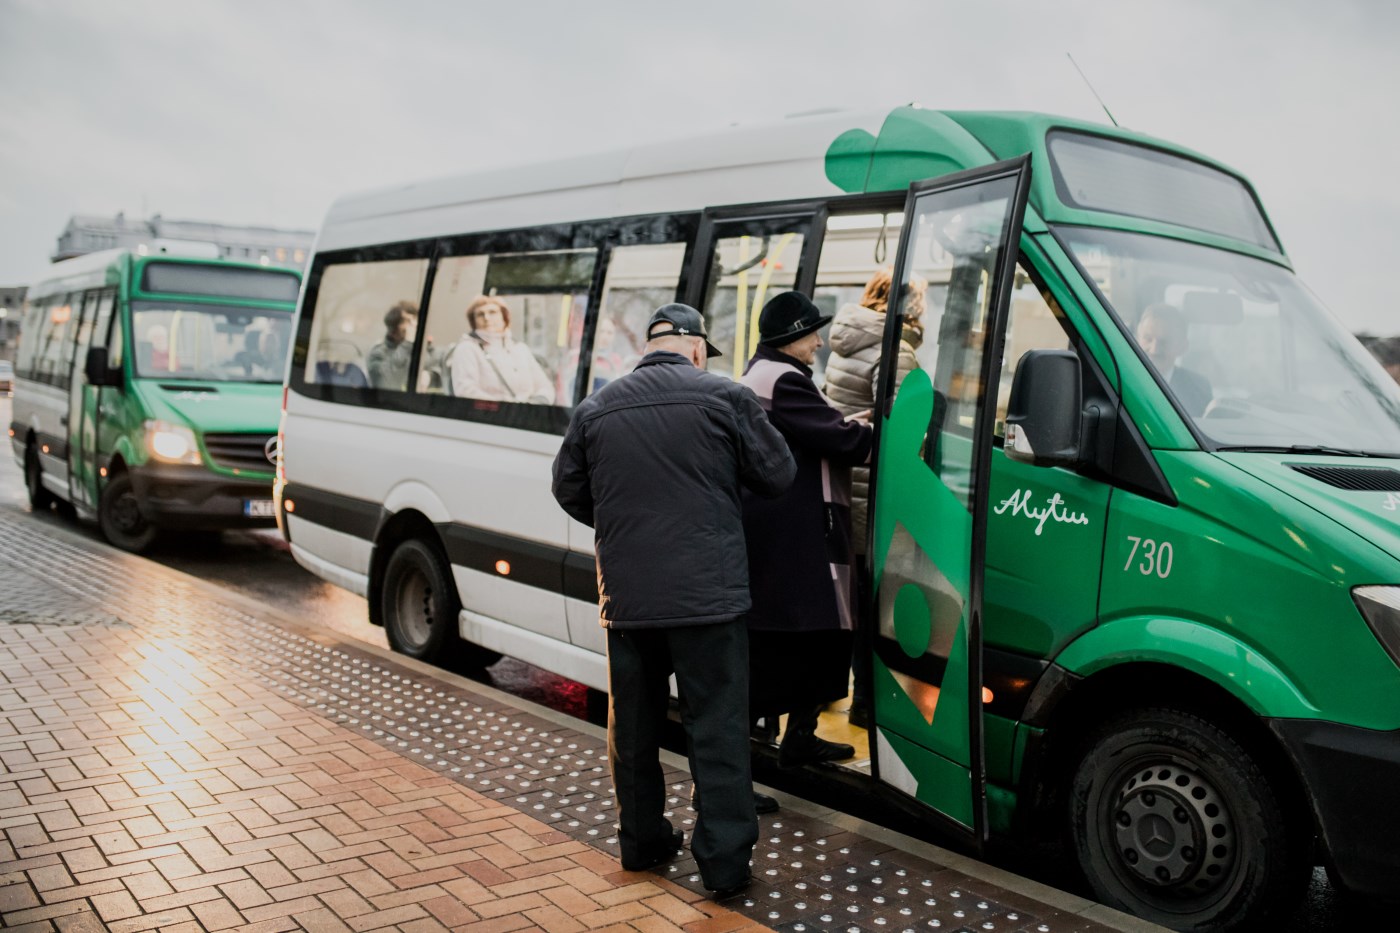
column 808, row 875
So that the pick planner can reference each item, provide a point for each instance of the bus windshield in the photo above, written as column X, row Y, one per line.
column 1248, row 353
column 207, row 343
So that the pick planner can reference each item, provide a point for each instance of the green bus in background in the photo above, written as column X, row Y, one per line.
column 148, row 389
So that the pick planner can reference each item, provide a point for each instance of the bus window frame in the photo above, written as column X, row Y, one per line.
column 597, row 235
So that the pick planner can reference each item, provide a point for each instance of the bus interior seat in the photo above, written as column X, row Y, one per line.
column 341, row 374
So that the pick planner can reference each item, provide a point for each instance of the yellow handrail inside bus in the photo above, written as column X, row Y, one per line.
column 741, row 308
column 769, row 265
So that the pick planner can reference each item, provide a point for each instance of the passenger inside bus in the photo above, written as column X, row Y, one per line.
column 489, row 363
column 153, row 350
column 390, row 358
column 1161, row 331
column 335, row 365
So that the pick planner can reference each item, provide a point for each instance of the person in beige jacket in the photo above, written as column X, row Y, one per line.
column 852, row 375
column 488, row 363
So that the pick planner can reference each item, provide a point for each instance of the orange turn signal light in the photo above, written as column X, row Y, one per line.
column 289, row 505
column 986, row 695
column 503, row 567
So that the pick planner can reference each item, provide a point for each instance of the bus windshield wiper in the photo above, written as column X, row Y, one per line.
column 1303, row 449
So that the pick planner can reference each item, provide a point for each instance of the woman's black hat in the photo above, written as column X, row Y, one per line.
column 788, row 317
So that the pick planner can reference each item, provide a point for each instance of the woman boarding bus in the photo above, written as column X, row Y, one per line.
column 147, row 389
column 1164, row 630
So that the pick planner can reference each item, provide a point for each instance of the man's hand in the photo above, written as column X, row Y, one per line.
column 862, row 416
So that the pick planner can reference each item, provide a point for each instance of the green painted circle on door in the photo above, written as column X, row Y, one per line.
column 913, row 622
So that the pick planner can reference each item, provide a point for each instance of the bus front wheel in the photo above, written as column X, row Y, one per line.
column 420, row 607
column 120, row 517
column 1174, row 820
column 40, row 499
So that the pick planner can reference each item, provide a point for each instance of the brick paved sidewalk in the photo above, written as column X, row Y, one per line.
column 171, row 760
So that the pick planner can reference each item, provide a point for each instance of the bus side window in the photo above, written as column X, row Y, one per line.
column 362, row 329
column 59, row 319
column 458, row 281
column 1035, row 323
column 640, row 279
column 31, row 338
column 500, row 327
column 854, row 252
column 746, row 269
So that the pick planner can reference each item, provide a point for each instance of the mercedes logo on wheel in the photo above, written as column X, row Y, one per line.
column 272, row 449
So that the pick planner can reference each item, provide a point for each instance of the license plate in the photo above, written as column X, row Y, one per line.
column 258, row 508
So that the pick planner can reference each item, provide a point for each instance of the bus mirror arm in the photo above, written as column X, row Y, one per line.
column 1046, row 424
column 97, row 371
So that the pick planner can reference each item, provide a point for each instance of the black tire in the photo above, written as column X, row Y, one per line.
column 120, row 517
column 40, row 499
column 419, row 606
column 1173, row 819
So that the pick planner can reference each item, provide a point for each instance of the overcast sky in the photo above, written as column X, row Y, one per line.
column 263, row 112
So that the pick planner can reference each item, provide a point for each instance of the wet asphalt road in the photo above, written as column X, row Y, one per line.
column 259, row 564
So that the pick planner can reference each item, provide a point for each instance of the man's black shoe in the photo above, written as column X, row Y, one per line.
column 720, row 894
column 798, row 749
column 657, row 856
column 859, row 715
column 762, row 803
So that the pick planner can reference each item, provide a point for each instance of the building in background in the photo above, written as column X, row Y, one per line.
column 11, row 303
column 88, row 233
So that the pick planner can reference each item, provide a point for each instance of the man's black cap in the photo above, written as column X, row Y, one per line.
column 685, row 321
column 788, row 317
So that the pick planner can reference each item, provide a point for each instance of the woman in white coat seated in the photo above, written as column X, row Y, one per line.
column 488, row 363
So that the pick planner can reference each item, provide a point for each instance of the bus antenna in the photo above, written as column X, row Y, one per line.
column 1091, row 88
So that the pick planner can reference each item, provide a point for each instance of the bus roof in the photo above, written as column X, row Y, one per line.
column 811, row 156
column 94, row 270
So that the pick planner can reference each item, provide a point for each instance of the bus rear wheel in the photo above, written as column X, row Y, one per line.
column 1173, row 820
column 40, row 499
column 120, row 517
column 420, row 608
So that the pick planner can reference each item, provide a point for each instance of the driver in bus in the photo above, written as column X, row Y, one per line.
column 1161, row 332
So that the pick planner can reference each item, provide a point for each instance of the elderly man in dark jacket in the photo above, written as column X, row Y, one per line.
column 654, row 462
column 800, row 554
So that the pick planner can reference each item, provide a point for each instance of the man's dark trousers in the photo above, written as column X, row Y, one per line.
column 711, row 667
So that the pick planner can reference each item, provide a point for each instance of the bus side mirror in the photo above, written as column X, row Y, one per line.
column 1045, row 417
column 97, row 371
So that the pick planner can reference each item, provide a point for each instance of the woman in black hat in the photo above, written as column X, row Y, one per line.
column 799, row 545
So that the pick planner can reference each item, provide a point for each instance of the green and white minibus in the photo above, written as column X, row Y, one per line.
column 1134, row 535
column 147, row 391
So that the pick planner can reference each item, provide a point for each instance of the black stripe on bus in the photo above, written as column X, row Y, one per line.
column 527, row 562
column 346, row 514
column 52, row 445
column 581, row 577
column 543, row 566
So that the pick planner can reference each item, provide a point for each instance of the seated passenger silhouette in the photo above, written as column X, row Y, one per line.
column 1161, row 332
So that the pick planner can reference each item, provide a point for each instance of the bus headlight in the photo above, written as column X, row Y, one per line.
column 172, row 443
column 1380, row 606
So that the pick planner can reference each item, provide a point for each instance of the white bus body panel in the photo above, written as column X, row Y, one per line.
column 345, row 556
column 478, row 475
column 43, row 409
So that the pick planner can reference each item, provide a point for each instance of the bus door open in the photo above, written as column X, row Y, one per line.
column 957, row 257
column 743, row 257
column 83, row 400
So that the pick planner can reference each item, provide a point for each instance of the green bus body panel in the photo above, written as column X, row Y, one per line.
column 1373, row 516
column 1255, row 595
column 942, row 784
